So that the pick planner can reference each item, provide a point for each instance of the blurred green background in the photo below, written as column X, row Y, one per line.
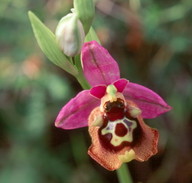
column 152, row 42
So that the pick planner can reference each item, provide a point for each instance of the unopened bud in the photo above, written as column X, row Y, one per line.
column 70, row 34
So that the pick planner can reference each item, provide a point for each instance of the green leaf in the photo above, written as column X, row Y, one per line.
column 48, row 44
column 92, row 36
column 85, row 10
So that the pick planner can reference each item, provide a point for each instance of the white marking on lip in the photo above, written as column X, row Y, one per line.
column 116, row 140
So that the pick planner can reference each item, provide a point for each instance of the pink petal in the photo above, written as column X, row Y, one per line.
column 98, row 91
column 151, row 104
column 75, row 113
column 98, row 65
column 121, row 84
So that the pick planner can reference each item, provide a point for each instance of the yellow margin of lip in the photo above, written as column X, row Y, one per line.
column 98, row 121
column 135, row 112
column 128, row 156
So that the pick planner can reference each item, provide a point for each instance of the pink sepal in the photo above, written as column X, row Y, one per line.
column 75, row 113
column 98, row 65
column 151, row 104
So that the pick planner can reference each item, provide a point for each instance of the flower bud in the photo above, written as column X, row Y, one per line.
column 85, row 10
column 70, row 34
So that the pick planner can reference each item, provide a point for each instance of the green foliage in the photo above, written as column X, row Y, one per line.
column 92, row 35
column 48, row 44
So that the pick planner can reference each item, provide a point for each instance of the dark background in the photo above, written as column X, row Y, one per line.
column 152, row 42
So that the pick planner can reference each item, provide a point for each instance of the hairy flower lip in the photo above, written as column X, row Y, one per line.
column 144, row 147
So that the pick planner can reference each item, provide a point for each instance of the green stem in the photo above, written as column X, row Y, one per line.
column 83, row 82
column 78, row 145
column 123, row 174
column 80, row 77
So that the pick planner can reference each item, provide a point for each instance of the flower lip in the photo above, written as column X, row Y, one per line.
column 142, row 143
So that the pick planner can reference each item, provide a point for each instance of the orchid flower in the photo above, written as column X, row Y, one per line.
column 113, row 109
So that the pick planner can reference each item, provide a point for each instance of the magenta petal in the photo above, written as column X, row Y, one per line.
column 151, row 104
column 98, row 65
column 75, row 113
column 98, row 91
column 120, row 84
